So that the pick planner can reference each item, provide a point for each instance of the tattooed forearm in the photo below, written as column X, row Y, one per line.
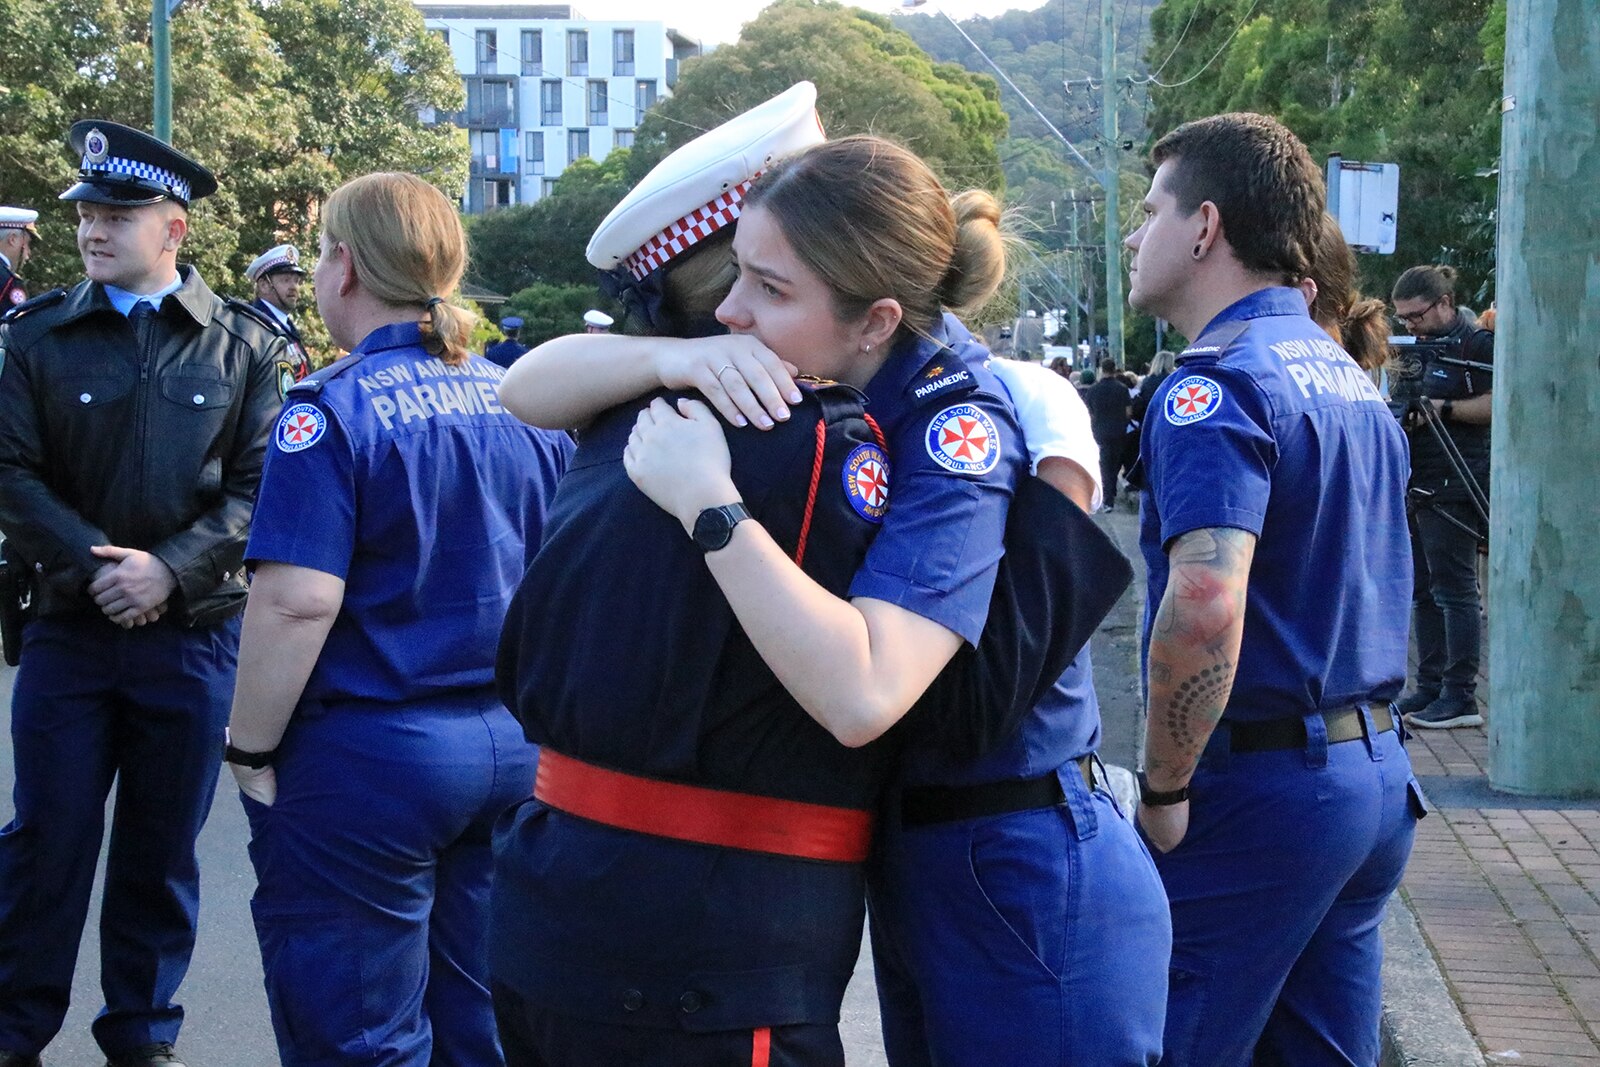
column 1194, row 647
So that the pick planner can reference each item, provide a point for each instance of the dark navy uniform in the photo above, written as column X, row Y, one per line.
column 296, row 365
column 1269, row 427
column 505, row 352
column 11, row 291
column 404, row 477
column 616, row 946
column 1008, row 887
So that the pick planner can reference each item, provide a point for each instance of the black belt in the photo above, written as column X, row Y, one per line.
column 1275, row 735
column 926, row 805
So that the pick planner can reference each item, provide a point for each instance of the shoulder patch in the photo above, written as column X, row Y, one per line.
column 866, row 481
column 300, row 427
column 962, row 438
column 942, row 378
column 1194, row 398
column 28, row 307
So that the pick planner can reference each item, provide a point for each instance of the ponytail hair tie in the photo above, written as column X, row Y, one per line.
column 431, row 302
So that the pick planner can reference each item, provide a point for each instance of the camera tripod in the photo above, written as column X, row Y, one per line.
column 1421, row 410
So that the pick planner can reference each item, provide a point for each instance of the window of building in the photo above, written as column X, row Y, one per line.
column 444, row 34
column 532, row 53
column 487, row 53
column 550, row 103
column 498, row 193
column 577, row 144
column 622, row 52
column 622, row 138
column 644, row 94
column 536, row 152
column 491, row 102
column 577, row 52
column 485, row 150
column 548, row 187
column 597, row 103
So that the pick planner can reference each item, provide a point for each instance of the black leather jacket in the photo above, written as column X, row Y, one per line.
column 145, row 435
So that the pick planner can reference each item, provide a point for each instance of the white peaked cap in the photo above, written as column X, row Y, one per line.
column 597, row 318
column 280, row 257
column 697, row 190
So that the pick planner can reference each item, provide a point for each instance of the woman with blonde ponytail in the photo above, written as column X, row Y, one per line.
column 1017, row 918
column 396, row 507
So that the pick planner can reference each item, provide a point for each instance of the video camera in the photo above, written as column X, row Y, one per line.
column 1410, row 357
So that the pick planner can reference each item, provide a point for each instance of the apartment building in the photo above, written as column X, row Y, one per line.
column 546, row 86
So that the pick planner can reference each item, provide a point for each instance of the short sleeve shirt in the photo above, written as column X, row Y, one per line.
column 956, row 453
column 403, row 476
column 1268, row 426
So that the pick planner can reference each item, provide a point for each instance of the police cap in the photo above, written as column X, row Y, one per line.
column 278, row 260
column 125, row 166
column 18, row 218
column 511, row 322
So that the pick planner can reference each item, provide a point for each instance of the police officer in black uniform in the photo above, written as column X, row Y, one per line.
column 1445, row 525
column 134, row 414
column 17, row 234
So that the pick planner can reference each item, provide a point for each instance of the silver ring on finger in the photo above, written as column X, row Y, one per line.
column 725, row 366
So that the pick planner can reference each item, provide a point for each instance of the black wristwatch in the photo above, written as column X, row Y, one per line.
column 1158, row 799
column 240, row 758
column 713, row 529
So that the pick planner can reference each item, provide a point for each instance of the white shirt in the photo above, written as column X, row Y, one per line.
column 1053, row 418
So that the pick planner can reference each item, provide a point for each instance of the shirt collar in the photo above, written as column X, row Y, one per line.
column 273, row 310
column 124, row 301
column 394, row 335
column 1274, row 300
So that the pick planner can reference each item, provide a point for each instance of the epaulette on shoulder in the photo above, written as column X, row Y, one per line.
column 944, row 376
column 28, row 307
column 257, row 314
column 312, row 384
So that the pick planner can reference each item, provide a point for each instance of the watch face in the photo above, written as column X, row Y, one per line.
column 712, row 529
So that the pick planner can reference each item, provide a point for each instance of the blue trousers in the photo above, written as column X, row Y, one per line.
column 1277, row 894
column 95, row 704
column 373, row 867
column 1039, row 937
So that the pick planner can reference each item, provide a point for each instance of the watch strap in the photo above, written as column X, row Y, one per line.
column 1157, row 798
column 240, row 758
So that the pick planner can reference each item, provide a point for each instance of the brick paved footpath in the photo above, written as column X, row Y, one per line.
column 1507, row 893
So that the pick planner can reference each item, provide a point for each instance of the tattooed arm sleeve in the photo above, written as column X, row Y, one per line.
column 1194, row 648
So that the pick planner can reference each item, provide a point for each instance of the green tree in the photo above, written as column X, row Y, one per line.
column 545, row 241
column 870, row 78
column 551, row 310
column 1414, row 82
column 282, row 99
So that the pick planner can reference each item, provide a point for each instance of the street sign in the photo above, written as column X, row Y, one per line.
column 1365, row 198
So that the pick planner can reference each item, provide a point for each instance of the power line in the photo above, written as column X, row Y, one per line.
column 1152, row 80
column 1193, row 10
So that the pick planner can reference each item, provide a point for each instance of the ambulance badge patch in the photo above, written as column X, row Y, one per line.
column 301, row 426
column 866, row 482
column 962, row 438
column 1196, row 397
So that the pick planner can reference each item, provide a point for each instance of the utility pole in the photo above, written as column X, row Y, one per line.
column 1110, row 177
column 1544, row 735
column 1075, row 258
column 161, row 63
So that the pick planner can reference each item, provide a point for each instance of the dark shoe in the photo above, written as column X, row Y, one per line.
column 1447, row 713
column 1417, row 701
column 160, row 1054
column 18, row 1059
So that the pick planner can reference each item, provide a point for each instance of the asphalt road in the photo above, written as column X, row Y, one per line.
column 225, row 1008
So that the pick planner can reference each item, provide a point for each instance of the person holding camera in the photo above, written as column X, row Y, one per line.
column 1453, row 379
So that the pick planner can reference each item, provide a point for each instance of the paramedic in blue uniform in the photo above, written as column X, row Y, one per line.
column 505, row 351
column 277, row 277
column 396, row 510
column 1276, row 793
column 895, row 250
column 134, row 412
column 17, row 234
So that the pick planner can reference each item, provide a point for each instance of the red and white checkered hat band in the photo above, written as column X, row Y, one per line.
column 688, row 231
